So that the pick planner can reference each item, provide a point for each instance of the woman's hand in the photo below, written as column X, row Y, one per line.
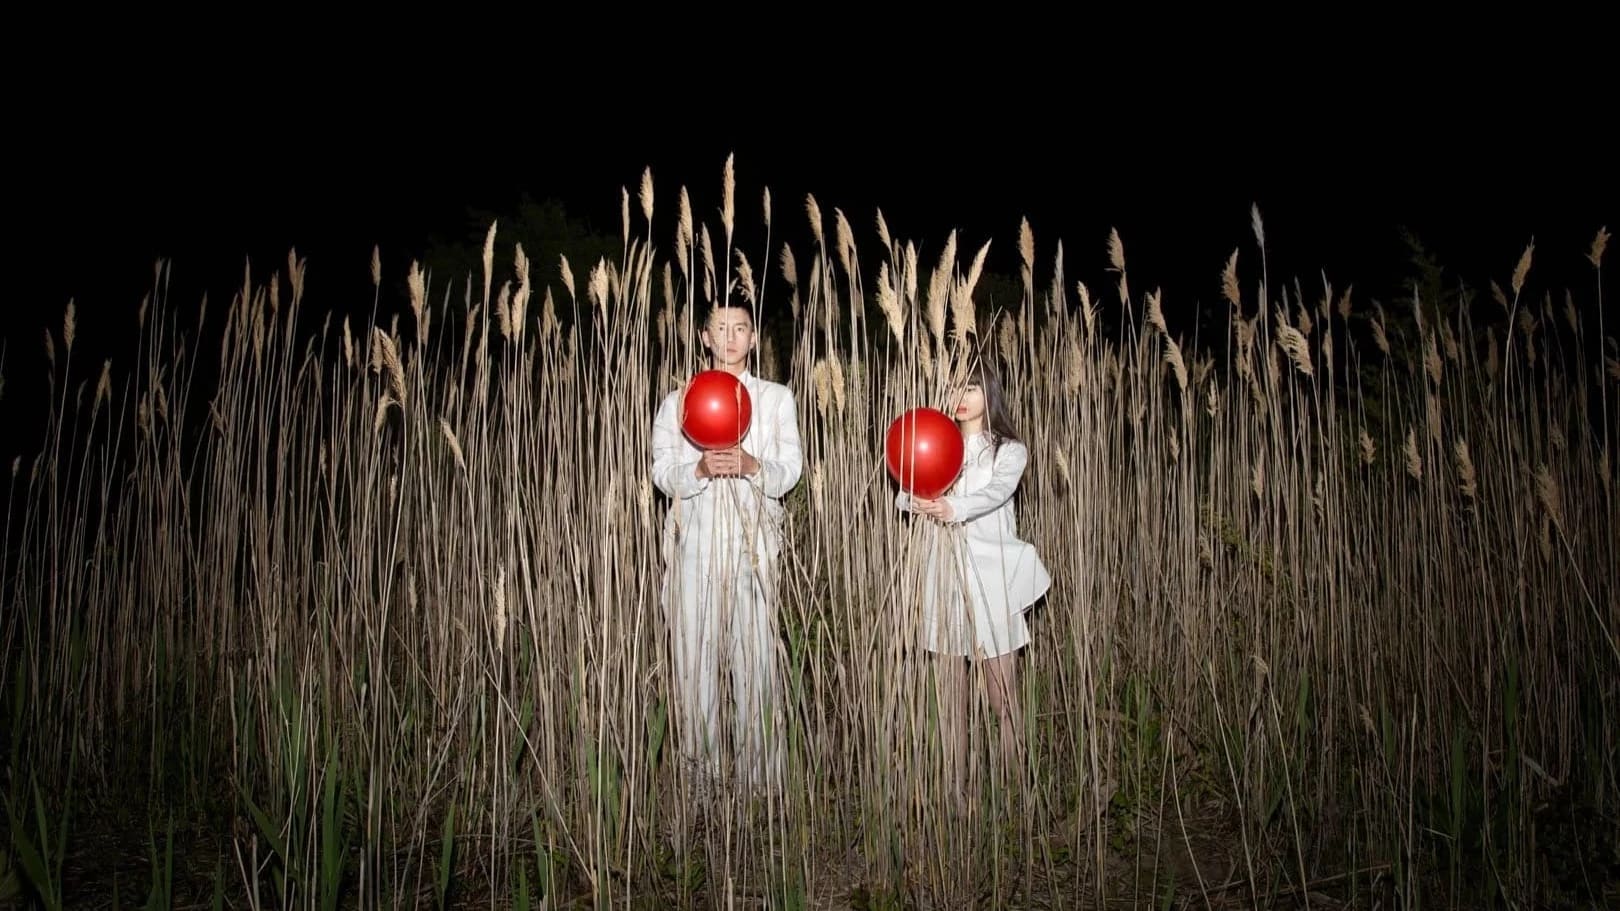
column 934, row 509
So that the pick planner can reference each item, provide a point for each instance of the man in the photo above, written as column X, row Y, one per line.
column 722, row 537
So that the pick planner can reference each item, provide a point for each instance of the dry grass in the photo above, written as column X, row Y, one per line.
column 1327, row 619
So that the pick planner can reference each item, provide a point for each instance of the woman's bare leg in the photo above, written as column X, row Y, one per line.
column 1001, row 682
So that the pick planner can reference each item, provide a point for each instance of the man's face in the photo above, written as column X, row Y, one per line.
column 729, row 336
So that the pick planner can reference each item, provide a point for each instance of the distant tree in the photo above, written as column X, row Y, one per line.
column 546, row 231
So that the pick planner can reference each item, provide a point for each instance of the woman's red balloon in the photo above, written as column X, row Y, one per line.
column 716, row 410
column 924, row 452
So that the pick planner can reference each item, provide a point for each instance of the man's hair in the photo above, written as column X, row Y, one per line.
column 735, row 303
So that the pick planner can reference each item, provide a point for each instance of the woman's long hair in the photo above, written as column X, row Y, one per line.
column 997, row 420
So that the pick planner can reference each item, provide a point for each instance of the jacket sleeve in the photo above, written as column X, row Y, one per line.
column 781, row 467
column 1005, row 473
column 674, row 471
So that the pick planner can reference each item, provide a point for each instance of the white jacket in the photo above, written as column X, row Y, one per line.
column 723, row 517
column 991, row 576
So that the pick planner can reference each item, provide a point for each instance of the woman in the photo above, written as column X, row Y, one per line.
column 976, row 596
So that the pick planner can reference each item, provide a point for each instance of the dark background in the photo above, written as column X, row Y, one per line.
column 1350, row 159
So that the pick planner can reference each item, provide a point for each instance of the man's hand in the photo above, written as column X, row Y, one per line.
column 720, row 463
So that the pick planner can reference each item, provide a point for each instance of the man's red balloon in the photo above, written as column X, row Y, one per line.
column 716, row 410
column 924, row 452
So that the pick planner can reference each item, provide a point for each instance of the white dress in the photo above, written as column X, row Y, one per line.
column 999, row 574
column 721, row 539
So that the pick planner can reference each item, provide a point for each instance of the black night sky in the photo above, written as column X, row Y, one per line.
column 110, row 178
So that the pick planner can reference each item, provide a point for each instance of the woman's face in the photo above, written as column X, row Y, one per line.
column 970, row 404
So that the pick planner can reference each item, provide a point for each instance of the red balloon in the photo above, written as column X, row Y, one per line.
column 716, row 410
column 924, row 452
